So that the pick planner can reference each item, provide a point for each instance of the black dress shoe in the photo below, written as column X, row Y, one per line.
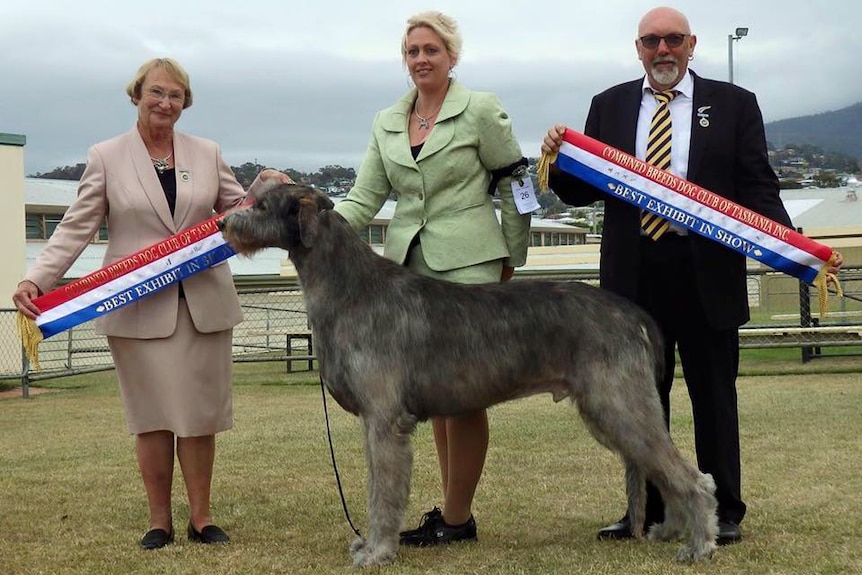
column 728, row 533
column 209, row 534
column 157, row 538
column 622, row 529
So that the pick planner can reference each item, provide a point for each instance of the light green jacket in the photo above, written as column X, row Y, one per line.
column 443, row 194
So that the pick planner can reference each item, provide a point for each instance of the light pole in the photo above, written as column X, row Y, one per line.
column 739, row 33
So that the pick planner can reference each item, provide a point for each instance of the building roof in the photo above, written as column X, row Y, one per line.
column 44, row 193
column 825, row 211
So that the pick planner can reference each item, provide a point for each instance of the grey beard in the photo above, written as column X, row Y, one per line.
column 665, row 77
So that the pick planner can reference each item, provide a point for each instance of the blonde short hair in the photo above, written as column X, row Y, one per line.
column 169, row 65
column 443, row 25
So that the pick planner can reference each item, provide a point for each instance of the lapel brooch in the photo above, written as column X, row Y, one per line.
column 704, row 116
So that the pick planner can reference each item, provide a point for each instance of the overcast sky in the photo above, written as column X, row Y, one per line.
column 296, row 83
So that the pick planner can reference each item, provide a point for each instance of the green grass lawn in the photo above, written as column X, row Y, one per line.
column 71, row 500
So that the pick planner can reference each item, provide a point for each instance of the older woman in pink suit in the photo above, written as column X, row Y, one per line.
column 172, row 350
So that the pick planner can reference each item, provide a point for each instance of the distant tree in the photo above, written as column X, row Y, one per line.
column 789, row 184
column 826, row 180
column 65, row 173
column 815, row 157
column 246, row 173
column 334, row 174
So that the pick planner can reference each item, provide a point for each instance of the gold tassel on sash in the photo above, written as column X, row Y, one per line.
column 543, row 168
column 30, row 336
column 821, row 282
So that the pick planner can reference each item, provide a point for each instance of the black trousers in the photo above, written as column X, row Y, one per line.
column 710, row 364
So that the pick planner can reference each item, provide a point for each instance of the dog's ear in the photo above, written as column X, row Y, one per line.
column 324, row 202
column 308, row 220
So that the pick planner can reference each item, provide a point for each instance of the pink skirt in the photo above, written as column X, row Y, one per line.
column 180, row 383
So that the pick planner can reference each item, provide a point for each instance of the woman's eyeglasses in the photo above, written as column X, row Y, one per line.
column 651, row 41
column 173, row 97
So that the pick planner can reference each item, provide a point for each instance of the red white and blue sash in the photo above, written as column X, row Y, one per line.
column 132, row 278
column 689, row 206
column 124, row 282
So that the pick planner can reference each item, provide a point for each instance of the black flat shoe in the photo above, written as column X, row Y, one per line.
column 157, row 538
column 209, row 534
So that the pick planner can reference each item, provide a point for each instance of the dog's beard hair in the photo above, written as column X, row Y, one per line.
column 248, row 236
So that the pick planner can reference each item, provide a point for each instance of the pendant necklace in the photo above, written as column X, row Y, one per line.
column 424, row 123
column 162, row 164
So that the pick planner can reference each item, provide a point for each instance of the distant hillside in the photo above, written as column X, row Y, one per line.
column 836, row 131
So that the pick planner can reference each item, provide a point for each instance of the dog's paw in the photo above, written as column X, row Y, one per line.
column 357, row 545
column 367, row 556
column 693, row 554
column 665, row 532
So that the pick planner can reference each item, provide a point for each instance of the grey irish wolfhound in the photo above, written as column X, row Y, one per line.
column 396, row 348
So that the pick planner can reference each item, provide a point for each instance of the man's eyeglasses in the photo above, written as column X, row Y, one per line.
column 173, row 97
column 651, row 41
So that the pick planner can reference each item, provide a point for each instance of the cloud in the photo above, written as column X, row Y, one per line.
column 293, row 84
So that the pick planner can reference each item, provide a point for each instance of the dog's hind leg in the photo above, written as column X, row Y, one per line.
column 626, row 417
column 699, row 512
column 690, row 504
column 636, row 495
column 390, row 462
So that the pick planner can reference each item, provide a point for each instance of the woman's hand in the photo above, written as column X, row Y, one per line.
column 507, row 274
column 23, row 299
column 266, row 180
column 271, row 174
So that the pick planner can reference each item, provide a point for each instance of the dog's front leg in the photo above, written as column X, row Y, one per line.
column 390, row 462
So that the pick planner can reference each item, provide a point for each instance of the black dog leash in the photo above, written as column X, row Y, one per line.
column 335, row 465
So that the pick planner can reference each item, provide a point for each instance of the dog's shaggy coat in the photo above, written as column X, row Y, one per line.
column 396, row 348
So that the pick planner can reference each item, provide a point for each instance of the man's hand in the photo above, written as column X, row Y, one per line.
column 553, row 139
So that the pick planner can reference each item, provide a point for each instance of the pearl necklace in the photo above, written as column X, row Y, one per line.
column 162, row 164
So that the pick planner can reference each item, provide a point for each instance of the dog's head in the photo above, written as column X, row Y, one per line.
column 285, row 216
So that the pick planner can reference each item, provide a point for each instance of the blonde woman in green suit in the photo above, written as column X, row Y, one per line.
column 435, row 148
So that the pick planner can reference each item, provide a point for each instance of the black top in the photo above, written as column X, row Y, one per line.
column 168, row 179
column 416, row 149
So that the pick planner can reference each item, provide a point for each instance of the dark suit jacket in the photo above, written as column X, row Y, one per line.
column 728, row 157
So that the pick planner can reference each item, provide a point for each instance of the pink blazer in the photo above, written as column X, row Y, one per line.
column 120, row 182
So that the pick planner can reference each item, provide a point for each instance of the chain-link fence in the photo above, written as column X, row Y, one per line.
column 784, row 313
column 275, row 326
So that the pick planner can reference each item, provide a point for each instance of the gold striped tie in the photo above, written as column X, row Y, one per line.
column 658, row 154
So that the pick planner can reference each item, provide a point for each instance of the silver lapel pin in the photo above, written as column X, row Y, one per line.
column 704, row 116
